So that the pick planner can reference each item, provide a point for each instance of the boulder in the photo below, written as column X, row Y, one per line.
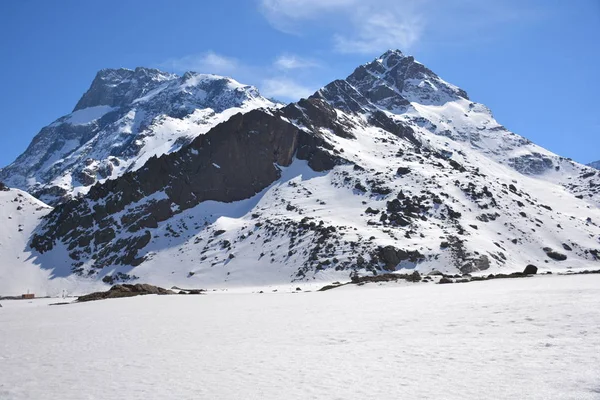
column 530, row 270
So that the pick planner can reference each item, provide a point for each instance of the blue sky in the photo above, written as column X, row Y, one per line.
column 533, row 63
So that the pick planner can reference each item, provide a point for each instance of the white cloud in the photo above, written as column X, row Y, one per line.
column 285, row 89
column 291, row 61
column 208, row 62
column 359, row 26
column 373, row 26
column 380, row 32
column 285, row 14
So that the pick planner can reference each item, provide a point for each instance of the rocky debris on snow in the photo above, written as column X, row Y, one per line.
column 358, row 280
column 125, row 290
column 584, row 272
column 387, row 277
column 188, row 291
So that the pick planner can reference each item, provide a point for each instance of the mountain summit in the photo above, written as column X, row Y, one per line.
column 126, row 117
column 391, row 82
column 389, row 169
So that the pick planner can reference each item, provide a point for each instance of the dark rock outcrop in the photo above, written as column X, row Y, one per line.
column 530, row 270
column 555, row 255
column 391, row 257
column 234, row 161
column 125, row 290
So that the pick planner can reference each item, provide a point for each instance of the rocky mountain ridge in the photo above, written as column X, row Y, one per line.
column 390, row 169
column 125, row 118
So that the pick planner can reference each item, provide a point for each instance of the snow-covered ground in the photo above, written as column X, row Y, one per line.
column 535, row 338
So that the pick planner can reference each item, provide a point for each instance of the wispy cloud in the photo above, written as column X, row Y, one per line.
column 359, row 26
column 379, row 32
column 285, row 89
column 292, row 61
column 370, row 27
column 285, row 14
column 208, row 62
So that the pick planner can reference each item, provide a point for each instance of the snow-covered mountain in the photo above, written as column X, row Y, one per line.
column 125, row 118
column 391, row 168
column 595, row 164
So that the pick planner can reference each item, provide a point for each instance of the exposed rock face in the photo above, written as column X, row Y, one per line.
column 532, row 164
column 3, row 187
column 120, row 87
column 125, row 118
column 234, row 161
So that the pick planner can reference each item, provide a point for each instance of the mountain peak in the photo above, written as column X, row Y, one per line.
column 390, row 82
column 595, row 164
column 391, row 58
column 114, row 87
column 126, row 117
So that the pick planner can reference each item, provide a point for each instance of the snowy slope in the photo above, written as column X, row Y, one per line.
column 125, row 118
column 20, row 214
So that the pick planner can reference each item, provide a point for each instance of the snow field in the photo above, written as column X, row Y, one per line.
column 534, row 338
